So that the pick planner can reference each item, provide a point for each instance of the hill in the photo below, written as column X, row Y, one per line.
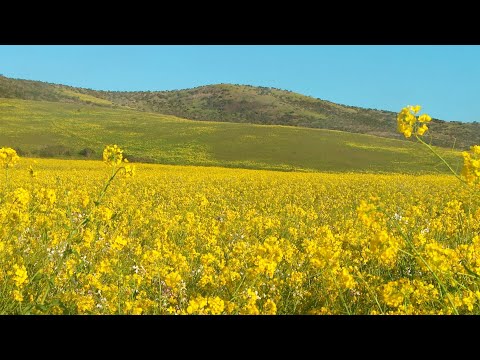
column 245, row 104
column 81, row 130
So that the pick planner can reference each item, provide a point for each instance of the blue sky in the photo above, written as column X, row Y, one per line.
column 445, row 80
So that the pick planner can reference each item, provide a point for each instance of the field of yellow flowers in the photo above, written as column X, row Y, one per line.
column 85, row 237
column 80, row 237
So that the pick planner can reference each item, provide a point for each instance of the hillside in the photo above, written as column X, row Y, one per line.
column 73, row 130
column 245, row 104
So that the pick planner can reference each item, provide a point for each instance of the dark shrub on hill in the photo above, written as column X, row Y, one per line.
column 21, row 152
column 87, row 152
column 55, row 151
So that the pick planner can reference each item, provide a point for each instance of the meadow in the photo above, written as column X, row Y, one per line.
column 210, row 240
column 112, row 237
column 63, row 130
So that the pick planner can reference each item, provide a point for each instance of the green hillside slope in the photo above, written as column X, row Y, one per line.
column 245, row 104
column 50, row 129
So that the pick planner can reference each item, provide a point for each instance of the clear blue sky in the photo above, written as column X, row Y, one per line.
column 445, row 80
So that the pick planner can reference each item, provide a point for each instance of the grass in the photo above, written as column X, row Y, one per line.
column 245, row 104
column 35, row 125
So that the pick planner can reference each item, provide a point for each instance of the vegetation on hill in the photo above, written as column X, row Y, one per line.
column 245, row 104
column 73, row 130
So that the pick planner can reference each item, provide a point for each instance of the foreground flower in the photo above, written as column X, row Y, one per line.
column 112, row 155
column 408, row 123
column 20, row 276
column 471, row 165
column 8, row 157
column 130, row 170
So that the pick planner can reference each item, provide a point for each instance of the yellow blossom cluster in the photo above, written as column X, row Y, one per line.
column 471, row 165
column 190, row 240
column 112, row 155
column 8, row 157
column 409, row 123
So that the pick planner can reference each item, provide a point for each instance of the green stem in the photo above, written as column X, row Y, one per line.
column 340, row 293
column 440, row 283
column 6, row 181
column 104, row 190
column 96, row 203
column 238, row 287
column 443, row 160
column 359, row 275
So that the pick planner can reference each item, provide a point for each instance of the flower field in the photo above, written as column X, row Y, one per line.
column 85, row 237
column 200, row 240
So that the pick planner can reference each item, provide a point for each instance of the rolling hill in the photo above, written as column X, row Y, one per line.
column 80, row 130
column 244, row 104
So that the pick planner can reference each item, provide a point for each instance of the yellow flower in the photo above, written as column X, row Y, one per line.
column 85, row 304
column 347, row 280
column 119, row 243
column 104, row 267
column 215, row 305
column 250, row 308
column 395, row 292
column 130, row 170
column 32, row 173
column 8, row 157
column 469, row 300
column 197, row 305
column 104, row 213
column 407, row 122
column 407, row 132
column 17, row 295
column 112, row 155
column 85, row 201
column 20, row 275
column 415, row 109
column 173, row 280
column 88, row 237
column 424, row 118
column 471, row 165
column 21, row 197
column 296, row 279
column 137, row 310
column 269, row 308
column 406, row 116
column 421, row 130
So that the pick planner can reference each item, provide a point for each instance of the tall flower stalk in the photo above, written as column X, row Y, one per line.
column 410, row 123
column 8, row 159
